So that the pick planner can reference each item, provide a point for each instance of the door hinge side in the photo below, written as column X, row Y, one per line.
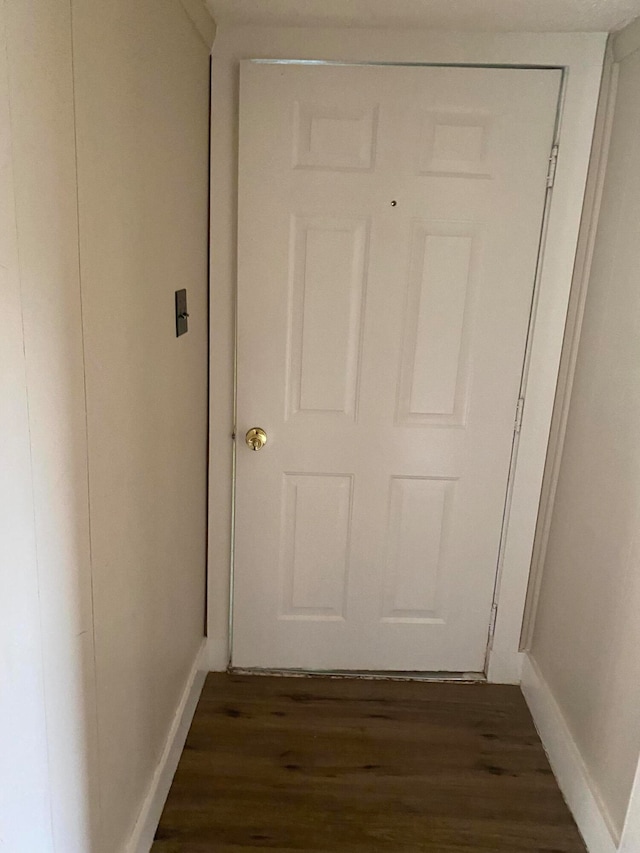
column 553, row 163
column 519, row 410
column 492, row 623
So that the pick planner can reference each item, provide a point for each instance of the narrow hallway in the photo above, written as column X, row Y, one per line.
column 350, row 765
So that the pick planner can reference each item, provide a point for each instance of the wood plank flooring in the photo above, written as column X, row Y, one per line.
column 357, row 766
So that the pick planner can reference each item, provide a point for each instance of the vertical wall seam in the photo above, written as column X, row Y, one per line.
column 209, row 280
column 96, row 727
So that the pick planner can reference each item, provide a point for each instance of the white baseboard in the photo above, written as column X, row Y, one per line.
column 566, row 761
column 144, row 830
column 630, row 841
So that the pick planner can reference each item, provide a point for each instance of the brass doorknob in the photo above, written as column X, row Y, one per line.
column 256, row 438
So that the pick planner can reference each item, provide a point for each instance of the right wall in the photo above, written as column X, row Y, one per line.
column 586, row 639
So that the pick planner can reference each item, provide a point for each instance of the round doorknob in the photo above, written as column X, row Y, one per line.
column 256, row 438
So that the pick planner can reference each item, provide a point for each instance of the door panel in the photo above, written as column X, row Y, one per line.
column 315, row 546
column 419, row 519
column 435, row 347
column 389, row 223
column 325, row 304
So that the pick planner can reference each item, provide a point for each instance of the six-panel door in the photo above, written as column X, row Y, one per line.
column 389, row 225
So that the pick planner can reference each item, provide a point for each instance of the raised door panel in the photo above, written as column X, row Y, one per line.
column 334, row 137
column 417, row 537
column 327, row 284
column 455, row 144
column 315, row 546
column 435, row 371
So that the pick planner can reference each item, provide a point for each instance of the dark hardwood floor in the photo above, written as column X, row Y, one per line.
column 355, row 766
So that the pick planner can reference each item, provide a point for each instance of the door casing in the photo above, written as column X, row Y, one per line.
column 581, row 58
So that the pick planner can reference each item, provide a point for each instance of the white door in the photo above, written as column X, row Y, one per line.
column 389, row 224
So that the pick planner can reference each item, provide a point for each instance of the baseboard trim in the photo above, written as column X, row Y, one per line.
column 630, row 841
column 568, row 766
column 144, row 830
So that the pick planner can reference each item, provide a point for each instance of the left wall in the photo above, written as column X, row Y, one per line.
column 142, row 116
column 103, row 169
column 47, row 701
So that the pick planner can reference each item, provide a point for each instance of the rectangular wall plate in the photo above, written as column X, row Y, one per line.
column 182, row 317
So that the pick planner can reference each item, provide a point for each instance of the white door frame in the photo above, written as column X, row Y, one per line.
column 581, row 56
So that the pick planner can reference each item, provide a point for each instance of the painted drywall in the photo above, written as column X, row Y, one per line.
column 140, row 77
column 142, row 111
column 47, row 797
column 583, row 54
column 24, row 809
column 587, row 629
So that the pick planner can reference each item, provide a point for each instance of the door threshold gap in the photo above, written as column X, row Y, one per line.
column 367, row 675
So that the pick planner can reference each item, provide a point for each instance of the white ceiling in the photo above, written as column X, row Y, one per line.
column 476, row 15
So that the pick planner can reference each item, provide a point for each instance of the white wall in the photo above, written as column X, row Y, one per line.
column 142, row 107
column 103, row 486
column 587, row 628
column 47, row 797
column 24, row 809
